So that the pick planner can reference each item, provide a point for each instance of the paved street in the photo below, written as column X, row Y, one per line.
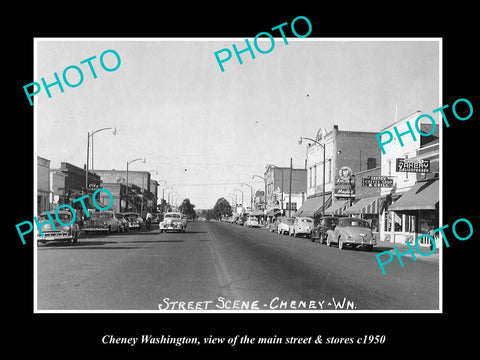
column 214, row 264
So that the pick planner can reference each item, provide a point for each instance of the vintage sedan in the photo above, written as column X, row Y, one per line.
column 284, row 224
column 320, row 230
column 68, row 234
column 134, row 220
column 273, row 226
column 101, row 222
column 172, row 221
column 123, row 222
column 352, row 232
column 301, row 226
column 252, row 221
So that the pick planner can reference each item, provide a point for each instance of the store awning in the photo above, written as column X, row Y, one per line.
column 369, row 205
column 313, row 205
column 421, row 196
column 338, row 208
column 272, row 212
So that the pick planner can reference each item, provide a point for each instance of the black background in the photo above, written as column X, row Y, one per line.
column 75, row 334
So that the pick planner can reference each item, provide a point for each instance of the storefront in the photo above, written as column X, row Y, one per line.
column 414, row 213
column 368, row 209
column 314, row 205
column 338, row 208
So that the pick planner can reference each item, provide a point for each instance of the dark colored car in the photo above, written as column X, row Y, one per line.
column 320, row 230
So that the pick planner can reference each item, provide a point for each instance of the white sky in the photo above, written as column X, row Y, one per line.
column 194, row 124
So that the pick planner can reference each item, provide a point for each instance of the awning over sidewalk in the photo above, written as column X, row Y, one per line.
column 421, row 196
column 273, row 212
column 369, row 205
column 313, row 205
column 338, row 208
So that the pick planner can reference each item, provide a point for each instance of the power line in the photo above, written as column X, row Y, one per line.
column 215, row 184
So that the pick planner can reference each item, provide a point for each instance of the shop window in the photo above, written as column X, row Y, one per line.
column 397, row 221
column 427, row 221
column 410, row 223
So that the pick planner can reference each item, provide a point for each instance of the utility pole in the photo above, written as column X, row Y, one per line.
column 290, row 191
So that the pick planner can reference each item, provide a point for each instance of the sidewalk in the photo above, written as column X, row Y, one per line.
column 401, row 248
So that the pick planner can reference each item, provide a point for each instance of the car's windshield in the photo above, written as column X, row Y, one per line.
column 63, row 217
column 100, row 215
column 354, row 222
column 306, row 220
column 176, row 216
column 288, row 221
column 329, row 221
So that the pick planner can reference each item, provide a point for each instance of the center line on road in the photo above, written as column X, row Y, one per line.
column 221, row 270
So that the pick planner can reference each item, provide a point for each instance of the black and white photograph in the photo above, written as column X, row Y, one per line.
column 209, row 175
column 227, row 180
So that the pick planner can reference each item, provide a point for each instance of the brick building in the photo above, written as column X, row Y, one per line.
column 346, row 153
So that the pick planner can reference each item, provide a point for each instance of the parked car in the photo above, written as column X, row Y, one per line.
column 284, row 224
column 252, row 221
column 273, row 226
column 320, row 230
column 352, row 232
column 68, row 234
column 101, row 221
column 172, row 221
column 134, row 220
column 240, row 220
column 123, row 222
column 301, row 226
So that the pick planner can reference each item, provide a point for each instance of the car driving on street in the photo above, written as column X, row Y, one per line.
column 172, row 221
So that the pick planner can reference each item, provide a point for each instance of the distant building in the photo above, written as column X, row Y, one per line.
column 43, row 184
column 68, row 183
column 278, row 189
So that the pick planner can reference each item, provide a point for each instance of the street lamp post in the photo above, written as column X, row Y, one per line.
column 90, row 134
column 323, row 148
column 234, row 196
column 163, row 197
column 251, row 195
column 265, row 191
column 242, row 195
column 282, row 190
column 128, row 163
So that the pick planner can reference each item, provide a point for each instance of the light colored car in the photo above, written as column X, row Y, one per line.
column 301, row 226
column 172, row 221
column 351, row 232
column 68, row 234
column 101, row 221
column 252, row 221
column 123, row 222
column 284, row 224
